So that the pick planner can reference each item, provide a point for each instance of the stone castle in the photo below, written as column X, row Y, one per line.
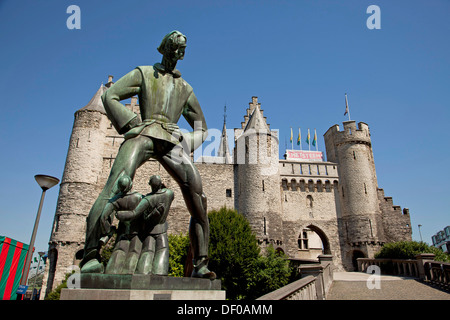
column 302, row 205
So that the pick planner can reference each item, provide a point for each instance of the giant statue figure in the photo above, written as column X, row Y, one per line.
column 164, row 96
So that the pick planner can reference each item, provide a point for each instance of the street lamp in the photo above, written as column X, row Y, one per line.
column 420, row 233
column 45, row 182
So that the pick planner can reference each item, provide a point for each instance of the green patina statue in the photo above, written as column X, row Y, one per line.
column 142, row 245
column 163, row 98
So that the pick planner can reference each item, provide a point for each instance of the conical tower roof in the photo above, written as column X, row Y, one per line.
column 96, row 103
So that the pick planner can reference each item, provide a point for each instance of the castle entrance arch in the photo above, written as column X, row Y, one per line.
column 355, row 255
column 312, row 242
column 323, row 237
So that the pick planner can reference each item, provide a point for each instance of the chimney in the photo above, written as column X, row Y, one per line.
column 110, row 82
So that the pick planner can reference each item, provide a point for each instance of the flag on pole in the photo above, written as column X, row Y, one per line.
column 299, row 139
column 308, row 137
column 315, row 138
column 291, row 136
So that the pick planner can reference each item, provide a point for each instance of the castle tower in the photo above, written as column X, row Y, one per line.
column 79, row 189
column 257, row 176
column 360, row 220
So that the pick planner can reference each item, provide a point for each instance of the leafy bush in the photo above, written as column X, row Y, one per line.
column 409, row 250
column 178, row 252
column 270, row 272
column 56, row 293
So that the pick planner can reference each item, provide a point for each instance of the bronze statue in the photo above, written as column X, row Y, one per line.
column 163, row 98
column 127, row 249
column 154, row 208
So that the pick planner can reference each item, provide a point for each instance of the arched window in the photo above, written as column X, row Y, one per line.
column 327, row 186
column 302, row 185
column 293, row 185
column 309, row 201
column 284, row 184
column 311, row 185
column 319, row 186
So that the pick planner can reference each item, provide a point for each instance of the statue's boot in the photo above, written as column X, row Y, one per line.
column 201, row 269
column 90, row 263
column 93, row 266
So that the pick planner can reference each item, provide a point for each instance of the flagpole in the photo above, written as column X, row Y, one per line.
column 315, row 139
column 309, row 140
column 347, row 109
column 300, row 138
column 292, row 140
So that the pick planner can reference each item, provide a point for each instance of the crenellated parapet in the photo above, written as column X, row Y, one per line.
column 396, row 222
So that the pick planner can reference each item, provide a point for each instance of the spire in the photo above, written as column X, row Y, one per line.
column 224, row 150
column 96, row 103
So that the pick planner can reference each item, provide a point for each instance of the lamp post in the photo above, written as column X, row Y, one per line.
column 420, row 233
column 45, row 182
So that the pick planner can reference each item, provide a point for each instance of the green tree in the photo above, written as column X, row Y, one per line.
column 409, row 250
column 178, row 251
column 233, row 248
column 236, row 258
column 271, row 271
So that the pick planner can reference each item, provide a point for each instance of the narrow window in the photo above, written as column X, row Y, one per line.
column 303, row 240
column 354, row 155
column 263, row 185
column 301, row 169
column 370, row 225
column 57, row 223
column 365, row 188
column 228, row 193
column 309, row 201
column 284, row 184
column 265, row 226
column 318, row 171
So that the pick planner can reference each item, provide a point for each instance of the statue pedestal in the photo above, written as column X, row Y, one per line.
column 142, row 287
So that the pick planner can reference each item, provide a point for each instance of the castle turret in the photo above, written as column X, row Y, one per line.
column 78, row 189
column 361, row 223
column 258, row 193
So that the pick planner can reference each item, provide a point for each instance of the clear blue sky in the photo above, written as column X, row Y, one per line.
column 298, row 57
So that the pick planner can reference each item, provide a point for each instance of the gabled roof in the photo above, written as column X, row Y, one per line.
column 257, row 121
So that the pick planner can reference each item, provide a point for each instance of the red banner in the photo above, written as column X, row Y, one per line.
column 303, row 155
